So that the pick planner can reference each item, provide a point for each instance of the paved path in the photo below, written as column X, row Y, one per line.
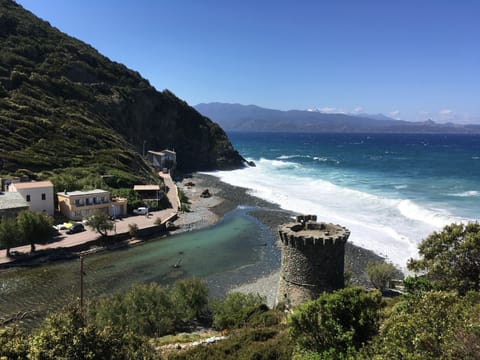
column 121, row 226
column 172, row 190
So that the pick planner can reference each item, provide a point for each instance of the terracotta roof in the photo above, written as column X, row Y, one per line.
column 32, row 184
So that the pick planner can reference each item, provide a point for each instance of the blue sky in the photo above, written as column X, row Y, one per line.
column 412, row 60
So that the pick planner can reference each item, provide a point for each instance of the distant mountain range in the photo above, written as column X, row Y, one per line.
column 237, row 117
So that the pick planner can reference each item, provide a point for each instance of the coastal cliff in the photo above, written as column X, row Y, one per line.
column 64, row 105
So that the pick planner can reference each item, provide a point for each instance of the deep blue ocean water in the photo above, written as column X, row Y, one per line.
column 391, row 190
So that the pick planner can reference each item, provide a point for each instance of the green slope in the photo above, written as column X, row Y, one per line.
column 63, row 105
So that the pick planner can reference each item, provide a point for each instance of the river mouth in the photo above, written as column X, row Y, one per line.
column 237, row 249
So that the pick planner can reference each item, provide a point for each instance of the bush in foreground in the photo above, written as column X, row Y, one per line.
column 432, row 325
column 450, row 258
column 153, row 310
column 234, row 311
column 336, row 323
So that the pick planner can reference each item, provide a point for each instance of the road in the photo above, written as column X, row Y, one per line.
column 120, row 227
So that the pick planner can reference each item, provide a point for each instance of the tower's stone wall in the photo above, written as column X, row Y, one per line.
column 312, row 259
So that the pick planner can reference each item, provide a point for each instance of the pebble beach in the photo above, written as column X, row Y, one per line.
column 225, row 198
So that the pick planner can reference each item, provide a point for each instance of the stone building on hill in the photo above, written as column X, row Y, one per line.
column 312, row 259
column 165, row 160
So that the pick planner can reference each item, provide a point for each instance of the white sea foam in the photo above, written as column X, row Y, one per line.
column 436, row 218
column 285, row 157
column 388, row 226
column 472, row 193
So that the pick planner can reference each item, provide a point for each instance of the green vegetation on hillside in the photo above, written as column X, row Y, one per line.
column 427, row 322
column 65, row 106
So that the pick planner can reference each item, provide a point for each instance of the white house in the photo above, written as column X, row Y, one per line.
column 37, row 194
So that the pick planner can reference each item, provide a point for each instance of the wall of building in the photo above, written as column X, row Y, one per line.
column 38, row 198
column 311, row 263
column 78, row 207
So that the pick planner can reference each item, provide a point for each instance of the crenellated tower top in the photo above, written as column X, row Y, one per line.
column 312, row 259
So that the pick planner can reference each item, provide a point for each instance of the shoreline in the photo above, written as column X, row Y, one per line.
column 262, row 277
column 226, row 197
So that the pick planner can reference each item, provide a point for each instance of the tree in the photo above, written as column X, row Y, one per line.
column 337, row 323
column 34, row 227
column 431, row 325
column 234, row 310
column 416, row 284
column 381, row 274
column 146, row 309
column 9, row 233
column 191, row 295
column 100, row 223
column 132, row 230
column 450, row 258
column 13, row 344
column 68, row 335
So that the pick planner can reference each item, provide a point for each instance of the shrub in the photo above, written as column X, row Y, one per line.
column 190, row 297
column 132, row 230
column 233, row 311
column 431, row 325
column 68, row 335
column 145, row 309
column 246, row 344
column 152, row 309
column 450, row 258
column 337, row 322
column 381, row 274
column 416, row 284
column 13, row 344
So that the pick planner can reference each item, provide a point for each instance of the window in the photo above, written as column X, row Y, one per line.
column 28, row 197
column 44, row 196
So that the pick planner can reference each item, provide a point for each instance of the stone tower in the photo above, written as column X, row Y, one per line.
column 312, row 259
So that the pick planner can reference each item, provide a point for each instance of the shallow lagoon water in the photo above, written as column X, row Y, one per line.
column 235, row 250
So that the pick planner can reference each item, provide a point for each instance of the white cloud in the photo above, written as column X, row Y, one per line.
column 445, row 112
column 329, row 110
column 395, row 114
column 445, row 115
column 334, row 110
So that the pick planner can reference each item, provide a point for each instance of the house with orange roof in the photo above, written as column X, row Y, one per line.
column 37, row 194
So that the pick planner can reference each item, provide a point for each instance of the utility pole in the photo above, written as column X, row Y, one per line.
column 143, row 152
column 81, row 284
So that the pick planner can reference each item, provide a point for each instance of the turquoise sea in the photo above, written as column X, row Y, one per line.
column 235, row 250
column 390, row 190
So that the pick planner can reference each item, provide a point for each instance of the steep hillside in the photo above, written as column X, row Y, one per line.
column 236, row 117
column 64, row 105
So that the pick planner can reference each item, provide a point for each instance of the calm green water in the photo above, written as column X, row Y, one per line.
column 235, row 250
